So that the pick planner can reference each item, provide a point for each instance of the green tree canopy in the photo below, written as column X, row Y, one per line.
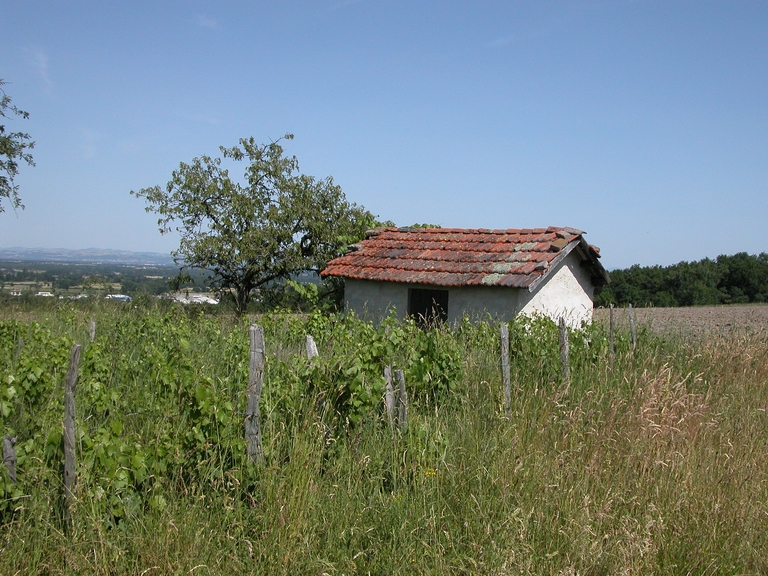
column 737, row 279
column 274, row 224
column 14, row 148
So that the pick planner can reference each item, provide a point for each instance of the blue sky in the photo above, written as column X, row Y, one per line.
column 644, row 123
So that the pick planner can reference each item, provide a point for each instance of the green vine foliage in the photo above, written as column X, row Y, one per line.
column 161, row 394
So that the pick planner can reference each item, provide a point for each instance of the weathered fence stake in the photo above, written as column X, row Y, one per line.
column 311, row 348
column 70, row 460
column 632, row 328
column 504, row 333
column 19, row 348
column 389, row 395
column 402, row 400
column 565, row 361
column 9, row 456
column 92, row 331
column 255, row 383
column 611, row 348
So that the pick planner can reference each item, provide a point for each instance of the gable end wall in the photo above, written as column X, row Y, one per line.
column 567, row 292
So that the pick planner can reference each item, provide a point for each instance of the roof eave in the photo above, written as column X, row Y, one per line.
column 599, row 274
column 567, row 249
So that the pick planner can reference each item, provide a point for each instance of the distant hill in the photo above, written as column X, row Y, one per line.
column 87, row 255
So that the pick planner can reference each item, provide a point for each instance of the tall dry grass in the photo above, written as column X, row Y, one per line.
column 658, row 465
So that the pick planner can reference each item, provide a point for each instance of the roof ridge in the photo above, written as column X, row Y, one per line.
column 439, row 230
column 515, row 257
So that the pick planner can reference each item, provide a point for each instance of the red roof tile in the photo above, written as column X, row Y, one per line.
column 462, row 257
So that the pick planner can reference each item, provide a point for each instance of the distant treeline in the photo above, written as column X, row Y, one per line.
column 738, row 279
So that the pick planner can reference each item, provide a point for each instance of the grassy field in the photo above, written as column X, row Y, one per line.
column 692, row 321
column 655, row 463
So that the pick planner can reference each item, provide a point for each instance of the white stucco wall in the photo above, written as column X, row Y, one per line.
column 568, row 292
column 479, row 302
column 374, row 300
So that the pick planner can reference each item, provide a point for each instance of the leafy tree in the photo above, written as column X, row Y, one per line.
column 14, row 147
column 745, row 277
column 274, row 224
column 740, row 278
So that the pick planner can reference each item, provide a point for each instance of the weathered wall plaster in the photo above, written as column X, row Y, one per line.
column 567, row 292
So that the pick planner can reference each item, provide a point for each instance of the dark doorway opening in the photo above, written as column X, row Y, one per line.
column 428, row 306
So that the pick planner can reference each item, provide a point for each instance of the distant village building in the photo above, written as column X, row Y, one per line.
column 118, row 297
column 193, row 298
column 446, row 273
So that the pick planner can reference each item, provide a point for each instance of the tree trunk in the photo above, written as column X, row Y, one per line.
column 241, row 300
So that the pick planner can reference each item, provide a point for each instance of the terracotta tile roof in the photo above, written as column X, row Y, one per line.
column 464, row 257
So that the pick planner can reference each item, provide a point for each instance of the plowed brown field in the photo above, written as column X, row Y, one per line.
column 692, row 320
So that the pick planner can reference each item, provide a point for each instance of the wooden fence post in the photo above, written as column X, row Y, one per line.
column 402, row 400
column 565, row 361
column 92, row 331
column 389, row 395
column 19, row 348
column 255, row 383
column 311, row 348
column 632, row 328
column 70, row 460
column 504, row 334
column 9, row 456
column 611, row 347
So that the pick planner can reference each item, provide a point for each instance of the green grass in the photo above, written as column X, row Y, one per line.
column 657, row 466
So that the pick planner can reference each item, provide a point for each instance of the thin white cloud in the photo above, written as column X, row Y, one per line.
column 40, row 62
column 205, row 21
column 503, row 41
column 199, row 118
column 90, row 143
column 203, row 119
